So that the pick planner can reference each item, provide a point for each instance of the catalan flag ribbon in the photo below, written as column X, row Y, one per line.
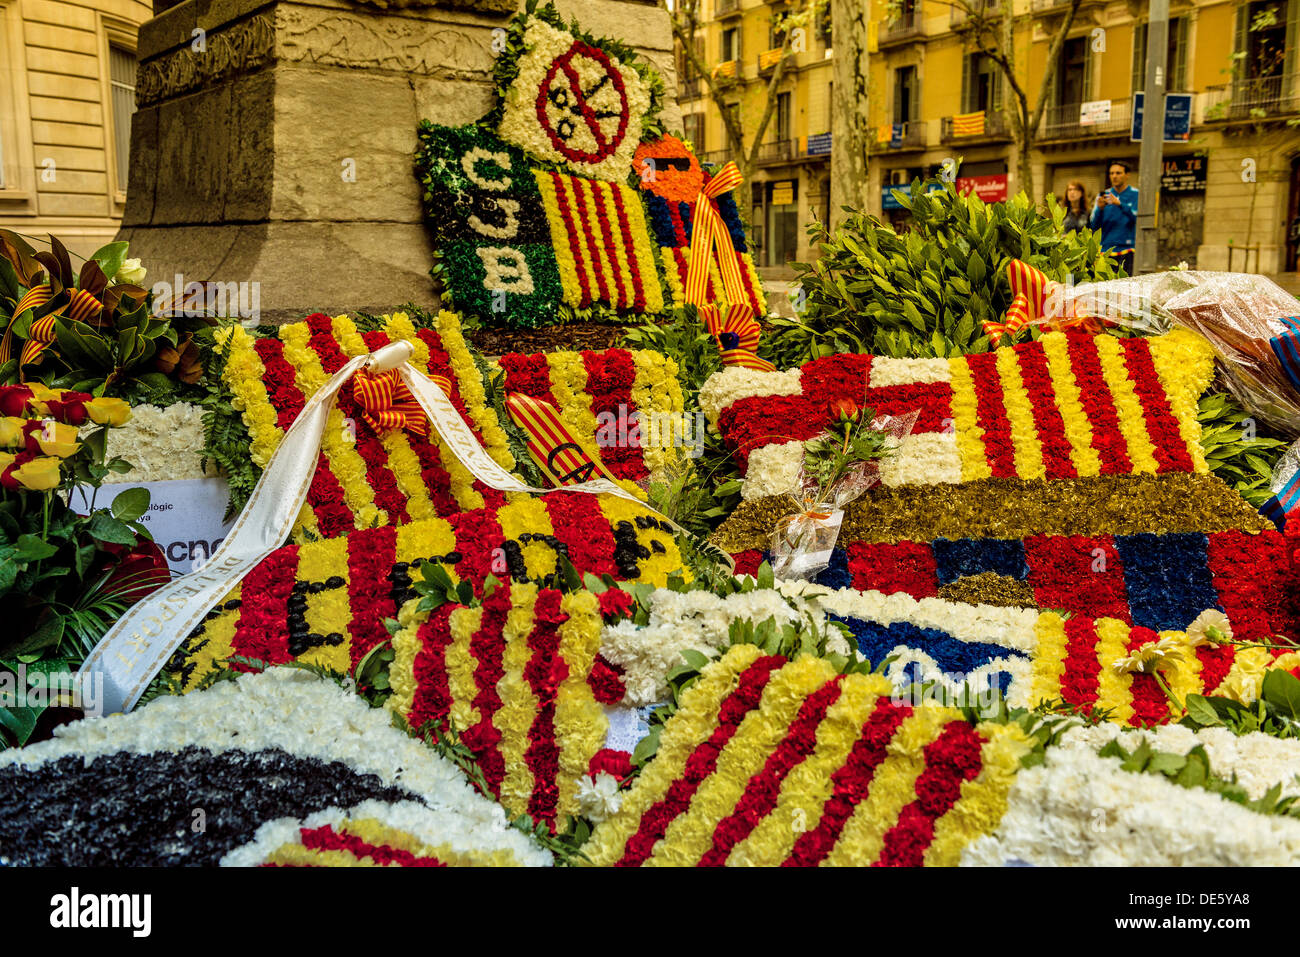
column 386, row 402
column 968, row 124
column 551, row 444
column 80, row 307
column 736, row 333
column 1031, row 293
column 735, row 329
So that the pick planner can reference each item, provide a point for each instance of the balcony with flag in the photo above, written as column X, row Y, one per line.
column 768, row 60
column 978, row 126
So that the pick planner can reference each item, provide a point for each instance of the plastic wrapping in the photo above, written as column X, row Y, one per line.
column 1238, row 313
column 803, row 541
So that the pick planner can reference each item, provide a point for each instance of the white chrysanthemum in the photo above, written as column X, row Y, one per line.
column 1080, row 809
column 926, row 458
column 734, row 383
column 598, row 799
column 160, row 444
column 773, row 470
column 889, row 371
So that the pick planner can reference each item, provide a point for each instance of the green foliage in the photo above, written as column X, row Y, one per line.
column 1234, row 449
column 226, row 440
column 1276, row 712
column 848, row 442
column 1192, row 770
column 925, row 292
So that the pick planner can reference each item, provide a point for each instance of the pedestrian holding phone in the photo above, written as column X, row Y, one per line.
column 1115, row 214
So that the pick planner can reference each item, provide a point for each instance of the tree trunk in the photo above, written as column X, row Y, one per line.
column 850, row 116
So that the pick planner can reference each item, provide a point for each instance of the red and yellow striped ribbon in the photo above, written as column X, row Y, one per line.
column 80, row 307
column 550, row 443
column 709, row 236
column 736, row 333
column 386, row 402
column 1030, row 291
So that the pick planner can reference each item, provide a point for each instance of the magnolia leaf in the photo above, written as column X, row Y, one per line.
column 110, row 258
column 1200, row 710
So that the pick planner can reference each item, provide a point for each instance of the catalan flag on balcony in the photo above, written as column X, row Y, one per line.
column 884, row 133
column 968, row 124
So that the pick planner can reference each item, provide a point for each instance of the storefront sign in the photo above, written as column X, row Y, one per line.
column 185, row 517
column 887, row 198
column 1183, row 174
column 783, row 192
column 1094, row 112
column 991, row 189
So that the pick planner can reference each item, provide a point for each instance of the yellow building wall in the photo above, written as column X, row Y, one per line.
column 59, row 147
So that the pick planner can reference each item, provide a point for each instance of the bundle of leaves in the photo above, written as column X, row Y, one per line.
column 1235, row 449
column 106, row 340
column 925, row 292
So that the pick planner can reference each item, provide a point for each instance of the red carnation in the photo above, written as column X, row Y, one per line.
column 615, row 603
column 617, row 763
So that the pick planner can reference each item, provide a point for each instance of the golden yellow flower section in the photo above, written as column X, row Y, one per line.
column 1184, row 362
column 1128, row 407
column 1078, row 430
column 1114, row 688
column 965, row 422
column 329, row 610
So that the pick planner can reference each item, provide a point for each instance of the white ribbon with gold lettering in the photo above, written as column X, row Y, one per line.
column 137, row 646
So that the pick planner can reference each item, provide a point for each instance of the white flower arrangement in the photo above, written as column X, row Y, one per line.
column 433, row 827
column 1258, row 760
column 733, row 383
column 886, row 370
column 160, row 444
column 773, row 470
column 599, row 799
column 691, row 621
column 1081, row 809
column 522, row 119
column 296, row 712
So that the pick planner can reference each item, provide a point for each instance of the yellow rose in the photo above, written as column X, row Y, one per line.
column 38, row 475
column 11, row 432
column 103, row 411
column 56, row 438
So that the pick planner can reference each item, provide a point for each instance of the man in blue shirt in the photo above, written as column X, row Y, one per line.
column 1115, row 214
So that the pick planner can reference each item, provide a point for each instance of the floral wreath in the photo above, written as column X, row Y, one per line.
column 565, row 97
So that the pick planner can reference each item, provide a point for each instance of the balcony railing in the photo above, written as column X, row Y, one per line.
column 1064, row 122
column 782, row 151
column 995, row 128
column 1254, row 98
column 716, row 157
column 768, row 60
column 913, row 138
column 907, row 26
column 723, row 7
column 963, row 10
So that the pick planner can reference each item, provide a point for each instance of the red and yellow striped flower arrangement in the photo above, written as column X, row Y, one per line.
column 624, row 405
column 776, row 762
column 1070, row 405
column 365, row 476
column 324, row 602
column 509, row 676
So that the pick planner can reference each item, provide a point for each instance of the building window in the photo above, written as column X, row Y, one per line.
column 783, row 116
column 906, row 15
column 1175, row 56
column 1072, row 74
column 981, row 84
column 121, row 66
column 1265, row 23
column 693, row 129
column 906, row 95
column 730, row 44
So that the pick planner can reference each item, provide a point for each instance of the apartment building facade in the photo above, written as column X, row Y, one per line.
column 790, row 184
column 67, row 92
column 1230, row 196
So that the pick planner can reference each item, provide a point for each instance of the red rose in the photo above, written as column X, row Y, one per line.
column 13, row 400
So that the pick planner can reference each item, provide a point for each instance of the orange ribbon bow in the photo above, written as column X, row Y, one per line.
column 386, row 402
column 550, row 443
